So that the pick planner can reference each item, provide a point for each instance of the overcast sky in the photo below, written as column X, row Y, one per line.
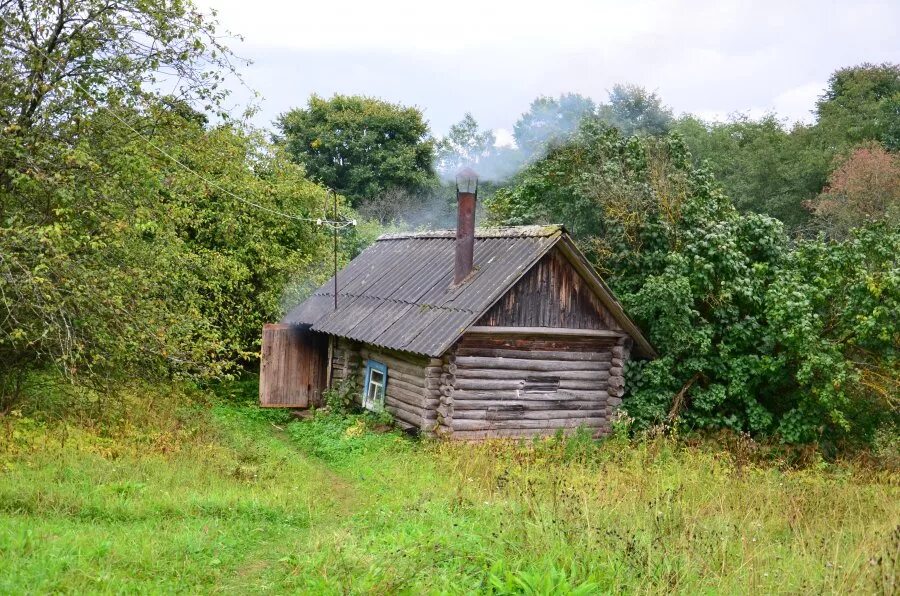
column 710, row 57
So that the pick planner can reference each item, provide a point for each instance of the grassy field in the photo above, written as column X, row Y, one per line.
column 158, row 491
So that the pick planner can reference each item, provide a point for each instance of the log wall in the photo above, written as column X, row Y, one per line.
column 344, row 360
column 413, row 382
column 495, row 386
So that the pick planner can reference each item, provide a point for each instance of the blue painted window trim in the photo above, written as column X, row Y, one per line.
column 382, row 368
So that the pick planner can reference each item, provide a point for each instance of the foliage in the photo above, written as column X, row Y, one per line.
column 630, row 108
column 57, row 56
column 861, row 103
column 833, row 310
column 358, row 145
column 341, row 398
column 769, row 168
column 635, row 111
column 123, row 263
column 464, row 146
column 760, row 165
column 228, row 497
column 863, row 188
column 550, row 120
column 723, row 296
column 116, row 261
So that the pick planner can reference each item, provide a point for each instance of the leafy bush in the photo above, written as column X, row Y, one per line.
column 341, row 398
column 754, row 333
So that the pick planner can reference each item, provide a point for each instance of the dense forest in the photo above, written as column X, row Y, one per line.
column 149, row 234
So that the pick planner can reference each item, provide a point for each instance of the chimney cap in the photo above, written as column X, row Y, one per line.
column 467, row 180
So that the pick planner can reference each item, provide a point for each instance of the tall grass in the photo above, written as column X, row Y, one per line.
column 188, row 491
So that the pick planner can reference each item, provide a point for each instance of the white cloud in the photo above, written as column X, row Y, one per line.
column 492, row 58
column 404, row 25
column 796, row 104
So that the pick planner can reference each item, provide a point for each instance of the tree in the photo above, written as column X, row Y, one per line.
column 56, row 56
column 864, row 188
column 761, row 166
column 634, row 110
column 550, row 121
column 359, row 146
column 116, row 261
column 861, row 103
column 465, row 145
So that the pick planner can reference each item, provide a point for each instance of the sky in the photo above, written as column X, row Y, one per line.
column 712, row 58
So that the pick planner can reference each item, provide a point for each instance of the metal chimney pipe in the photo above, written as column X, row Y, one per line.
column 466, row 196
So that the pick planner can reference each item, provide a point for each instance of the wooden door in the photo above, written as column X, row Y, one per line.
column 292, row 367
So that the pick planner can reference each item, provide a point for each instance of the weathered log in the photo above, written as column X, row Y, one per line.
column 616, row 391
column 582, row 394
column 391, row 361
column 447, row 390
column 619, row 362
column 618, row 351
column 614, row 401
column 565, row 385
column 402, row 424
column 417, row 380
column 462, row 424
column 604, row 356
column 526, row 364
column 421, row 412
column 413, row 408
column 433, row 372
column 400, row 384
column 528, row 414
column 480, row 435
column 616, row 382
column 616, row 371
column 405, row 416
column 448, row 379
column 449, row 368
column 466, row 394
column 500, row 373
column 521, row 405
column 413, row 399
column 489, row 384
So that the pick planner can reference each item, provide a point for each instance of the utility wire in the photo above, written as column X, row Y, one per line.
column 335, row 225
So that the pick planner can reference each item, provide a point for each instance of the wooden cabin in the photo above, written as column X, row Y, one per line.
column 467, row 334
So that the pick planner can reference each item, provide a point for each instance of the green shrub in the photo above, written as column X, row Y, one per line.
column 755, row 333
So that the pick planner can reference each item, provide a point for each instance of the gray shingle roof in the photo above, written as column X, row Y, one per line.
column 398, row 293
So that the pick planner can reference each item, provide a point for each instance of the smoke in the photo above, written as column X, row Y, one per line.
column 549, row 121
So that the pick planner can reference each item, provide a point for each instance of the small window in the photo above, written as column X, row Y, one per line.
column 373, row 388
column 541, row 384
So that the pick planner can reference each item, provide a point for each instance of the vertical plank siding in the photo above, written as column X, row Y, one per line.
column 552, row 294
column 293, row 364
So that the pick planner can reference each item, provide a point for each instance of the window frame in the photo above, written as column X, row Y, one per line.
column 377, row 403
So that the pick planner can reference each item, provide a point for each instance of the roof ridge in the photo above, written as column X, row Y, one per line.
column 533, row 231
